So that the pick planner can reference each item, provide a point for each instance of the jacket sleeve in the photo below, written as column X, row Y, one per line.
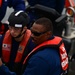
column 5, row 71
column 17, row 4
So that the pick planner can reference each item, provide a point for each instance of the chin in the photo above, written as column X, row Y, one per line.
column 36, row 43
column 33, row 41
column 13, row 36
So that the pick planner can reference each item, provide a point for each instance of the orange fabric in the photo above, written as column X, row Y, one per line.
column 6, row 46
column 67, row 4
column 62, row 51
column 0, row 3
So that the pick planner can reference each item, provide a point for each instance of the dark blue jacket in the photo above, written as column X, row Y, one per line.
column 16, row 4
column 14, row 50
column 44, row 62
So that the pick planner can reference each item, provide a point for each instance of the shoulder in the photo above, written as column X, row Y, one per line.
column 46, row 60
column 48, row 55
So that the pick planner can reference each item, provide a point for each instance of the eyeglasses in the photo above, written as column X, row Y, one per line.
column 37, row 33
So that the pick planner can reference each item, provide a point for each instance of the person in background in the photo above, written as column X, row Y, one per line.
column 16, row 43
column 58, row 5
column 49, row 57
column 15, row 4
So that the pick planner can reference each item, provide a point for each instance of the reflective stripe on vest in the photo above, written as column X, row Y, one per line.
column 6, row 47
column 55, row 42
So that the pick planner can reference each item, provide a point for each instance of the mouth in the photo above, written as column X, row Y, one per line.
column 13, row 35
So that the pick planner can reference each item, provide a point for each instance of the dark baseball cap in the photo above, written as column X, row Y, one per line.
column 18, row 19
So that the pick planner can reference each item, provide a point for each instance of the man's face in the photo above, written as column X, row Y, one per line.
column 14, row 31
column 39, row 34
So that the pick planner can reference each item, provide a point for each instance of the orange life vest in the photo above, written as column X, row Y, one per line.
column 57, row 41
column 6, row 47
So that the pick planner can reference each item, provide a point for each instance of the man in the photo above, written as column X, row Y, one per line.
column 48, row 57
column 15, row 43
column 16, row 4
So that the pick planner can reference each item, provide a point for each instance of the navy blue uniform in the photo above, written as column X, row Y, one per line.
column 40, row 64
column 44, row 62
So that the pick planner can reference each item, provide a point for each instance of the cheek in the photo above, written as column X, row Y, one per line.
column 39, row 40
column 36, row 40
column 16, row 33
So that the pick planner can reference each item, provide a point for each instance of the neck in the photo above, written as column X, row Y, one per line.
column 20, row 38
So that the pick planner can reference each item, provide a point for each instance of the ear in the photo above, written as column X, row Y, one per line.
column 24, row 29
